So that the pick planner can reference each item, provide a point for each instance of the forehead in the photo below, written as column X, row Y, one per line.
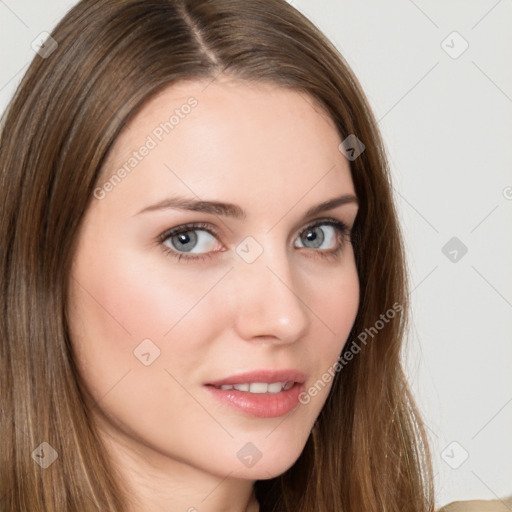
column 220, row 138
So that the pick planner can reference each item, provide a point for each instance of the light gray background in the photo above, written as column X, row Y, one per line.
column 447, row 125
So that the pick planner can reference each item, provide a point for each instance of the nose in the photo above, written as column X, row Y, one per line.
column 270, row 303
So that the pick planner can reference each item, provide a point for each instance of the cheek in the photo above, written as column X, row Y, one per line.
column 334, row 308
column 340, row 302
column 335, row 304
column 124, row 305
column 138, row 295
column 126, row 313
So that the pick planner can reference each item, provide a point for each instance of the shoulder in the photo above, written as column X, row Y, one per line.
column 501, row 505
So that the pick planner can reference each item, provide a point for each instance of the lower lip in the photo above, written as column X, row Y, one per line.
column 260, row 405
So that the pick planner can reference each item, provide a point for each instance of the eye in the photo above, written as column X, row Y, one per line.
column 192, row 241
column 189, row 239
column 199, row 241
column 324, row 236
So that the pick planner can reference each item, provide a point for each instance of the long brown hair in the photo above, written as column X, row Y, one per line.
column 368, row 449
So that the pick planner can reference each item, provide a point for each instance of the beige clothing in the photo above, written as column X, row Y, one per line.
column 501, row 505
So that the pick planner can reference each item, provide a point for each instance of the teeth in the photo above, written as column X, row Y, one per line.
column 275, row 387
column 259, row 387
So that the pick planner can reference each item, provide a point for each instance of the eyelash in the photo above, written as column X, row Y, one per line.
column 331, row 254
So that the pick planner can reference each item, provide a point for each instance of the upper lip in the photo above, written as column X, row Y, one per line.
column 267, row 376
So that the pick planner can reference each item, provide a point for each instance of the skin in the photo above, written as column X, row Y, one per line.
column 274, row 153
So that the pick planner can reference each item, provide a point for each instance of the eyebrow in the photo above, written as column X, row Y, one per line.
column 233, row 210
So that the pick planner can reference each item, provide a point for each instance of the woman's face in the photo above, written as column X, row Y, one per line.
column 200, row 263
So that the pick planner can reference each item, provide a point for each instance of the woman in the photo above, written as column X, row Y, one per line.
column 203, row 291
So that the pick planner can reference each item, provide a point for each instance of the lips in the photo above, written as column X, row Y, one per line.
column 256, row 393
column 259, row 387
column 262, row 376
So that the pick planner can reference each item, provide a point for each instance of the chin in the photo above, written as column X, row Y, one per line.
column 266, row 460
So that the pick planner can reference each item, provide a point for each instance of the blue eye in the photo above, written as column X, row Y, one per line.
column 192, row 241
column 197, row 239
column 320, row 236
